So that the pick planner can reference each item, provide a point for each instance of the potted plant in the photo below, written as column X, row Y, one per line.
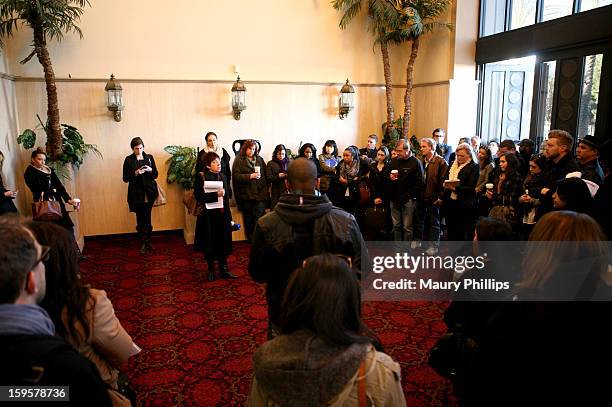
column 181, row 169
column 73, row 145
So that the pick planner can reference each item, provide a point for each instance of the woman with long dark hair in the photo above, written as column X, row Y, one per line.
column 276, row 172
column 530, row 200
column 250, row 185
column 328, row 161
column 309, row 151
column 140, row 172
column 83, row 316
column 324, row 341
column 44, row 184
column 507, row 186
column 213, row 231
column 348, row 173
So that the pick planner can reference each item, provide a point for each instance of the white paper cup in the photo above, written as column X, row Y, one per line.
column 76, row 204
column 258, row 169
column 394, row 173
column 489, row 186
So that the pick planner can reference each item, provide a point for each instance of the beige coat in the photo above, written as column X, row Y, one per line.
column 109, row 346
column 383, row 386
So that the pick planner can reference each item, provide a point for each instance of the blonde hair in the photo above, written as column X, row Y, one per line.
column 468, row 148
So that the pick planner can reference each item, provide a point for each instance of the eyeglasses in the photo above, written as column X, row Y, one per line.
column 44, row 255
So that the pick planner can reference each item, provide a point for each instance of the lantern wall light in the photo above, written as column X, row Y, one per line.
column 238, row 98
column 114, row 97
column 346, row 102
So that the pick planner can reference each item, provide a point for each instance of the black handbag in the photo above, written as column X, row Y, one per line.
column 375, row 218
column 452, row 354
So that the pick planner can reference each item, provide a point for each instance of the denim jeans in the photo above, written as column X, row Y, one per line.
column 428, row 214
column 401, row 216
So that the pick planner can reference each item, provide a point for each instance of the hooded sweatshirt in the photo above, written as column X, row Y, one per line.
column 302, row 370
column 300, row 226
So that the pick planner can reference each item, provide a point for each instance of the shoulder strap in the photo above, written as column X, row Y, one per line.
column 361, row 385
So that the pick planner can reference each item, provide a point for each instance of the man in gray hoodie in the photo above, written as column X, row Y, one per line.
column 304, row 223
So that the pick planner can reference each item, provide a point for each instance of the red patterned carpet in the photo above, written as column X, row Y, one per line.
column 198, row 337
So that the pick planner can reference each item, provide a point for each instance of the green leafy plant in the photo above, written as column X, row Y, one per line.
column 49, row 20
column 74, row 147
column 181, row 165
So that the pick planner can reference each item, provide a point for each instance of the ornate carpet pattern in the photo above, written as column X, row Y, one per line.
column 197, row 337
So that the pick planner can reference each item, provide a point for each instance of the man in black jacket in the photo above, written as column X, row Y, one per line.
column 587, row 155
column 304, row 223
column 31, row 355
column 407, row 184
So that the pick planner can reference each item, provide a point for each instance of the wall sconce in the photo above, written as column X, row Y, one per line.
column 114, row 97
column 346, row 103
column 238, row 98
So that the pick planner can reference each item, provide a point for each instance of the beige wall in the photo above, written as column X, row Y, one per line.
column 291, row 54
column 12, row 166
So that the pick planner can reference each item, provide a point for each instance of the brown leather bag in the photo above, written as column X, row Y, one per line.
column 161, row 197
column 46, row 210
column 194, row 207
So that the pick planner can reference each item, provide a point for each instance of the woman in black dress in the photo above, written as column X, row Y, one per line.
column 139, row 171
column 44, row 183
column 213, row 232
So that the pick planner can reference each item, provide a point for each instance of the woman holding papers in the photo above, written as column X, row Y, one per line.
column 213, row 231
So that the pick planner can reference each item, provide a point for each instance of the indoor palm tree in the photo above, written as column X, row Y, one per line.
column 417, row 18
column 383, row 17
column 48, row 19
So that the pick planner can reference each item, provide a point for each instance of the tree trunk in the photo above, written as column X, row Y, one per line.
column 54, row 132
column 409, row 73
column 388, row 83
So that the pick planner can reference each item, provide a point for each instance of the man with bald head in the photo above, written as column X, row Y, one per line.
column 303, row 223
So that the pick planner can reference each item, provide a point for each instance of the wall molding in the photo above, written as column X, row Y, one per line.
column 221, row 81
column 7, row 76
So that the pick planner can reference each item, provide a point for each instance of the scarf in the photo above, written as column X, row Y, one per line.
column 25, row 319
column 283, row 164
column 349, row 171
column 218, row 150
column 45, row 169
column 453, row 174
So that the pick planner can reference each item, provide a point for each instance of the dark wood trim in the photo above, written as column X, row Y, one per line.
column 589, row 27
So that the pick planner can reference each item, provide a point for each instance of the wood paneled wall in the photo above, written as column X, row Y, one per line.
column 164, row 113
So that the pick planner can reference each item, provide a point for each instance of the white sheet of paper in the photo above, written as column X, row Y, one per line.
column 214, row 186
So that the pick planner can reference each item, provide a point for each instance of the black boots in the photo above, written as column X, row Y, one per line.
column 223, row 271
column 211, row 271
column 145, row 237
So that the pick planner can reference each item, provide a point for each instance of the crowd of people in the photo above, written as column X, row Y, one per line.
column 310, row 217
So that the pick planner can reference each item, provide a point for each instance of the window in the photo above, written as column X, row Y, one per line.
column 523, row 13
column 507, row 98
column 591, row 4
column 493, row 17
column 547, row 91
column 590, row 94
column 556, row 8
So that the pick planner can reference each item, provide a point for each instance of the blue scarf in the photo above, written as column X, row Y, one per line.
column 23, row 319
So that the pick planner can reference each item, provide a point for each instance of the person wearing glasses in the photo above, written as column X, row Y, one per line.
column 28, row 334
column 82, row 315
column 323, row 339
column 442, row 149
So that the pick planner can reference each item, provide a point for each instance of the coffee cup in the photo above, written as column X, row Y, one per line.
column 394, row 174
column 257, row 169
column 489, row 186
column 76, row 204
